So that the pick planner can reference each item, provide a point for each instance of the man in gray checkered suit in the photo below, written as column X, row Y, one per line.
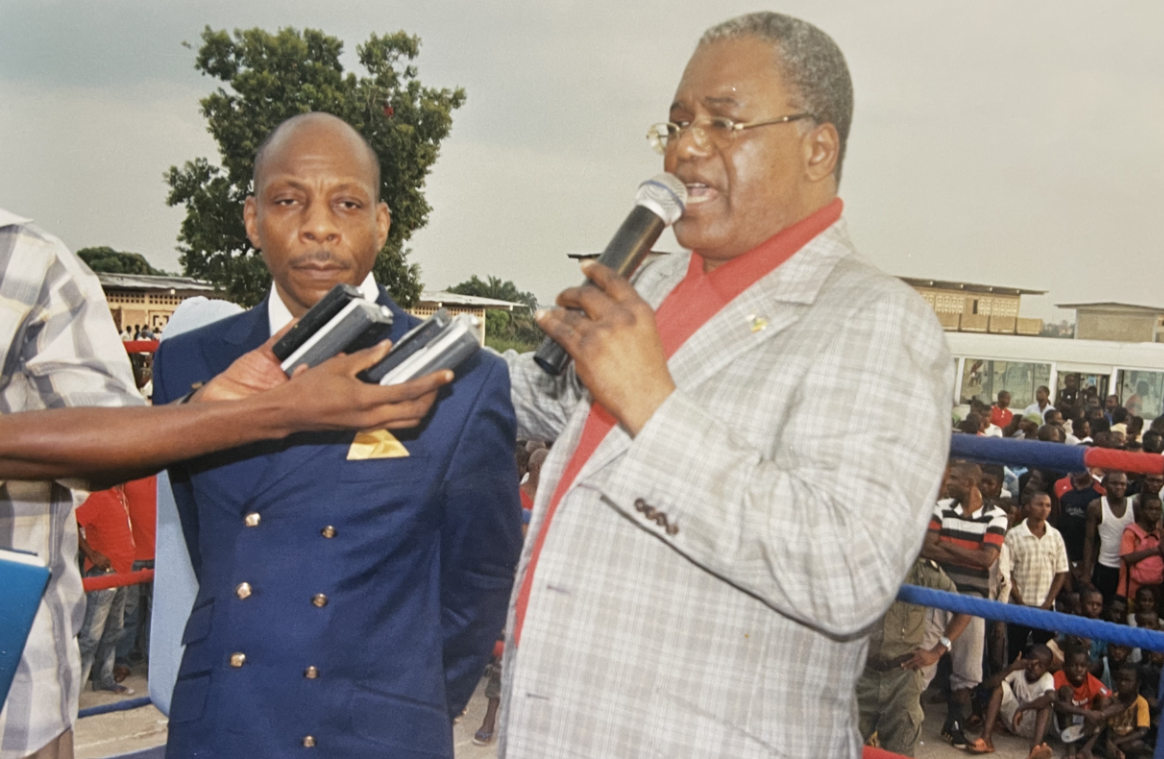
column 746, row 450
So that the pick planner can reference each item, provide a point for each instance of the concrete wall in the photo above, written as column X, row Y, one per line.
column 1127, row 328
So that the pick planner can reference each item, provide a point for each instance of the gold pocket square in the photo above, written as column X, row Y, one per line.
column 380, row 444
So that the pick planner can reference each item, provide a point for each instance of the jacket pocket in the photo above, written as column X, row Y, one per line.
column 407, row 471
column 421, row 730
column 189, row 699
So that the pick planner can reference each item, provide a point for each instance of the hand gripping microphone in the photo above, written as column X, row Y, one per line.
column 658, row 204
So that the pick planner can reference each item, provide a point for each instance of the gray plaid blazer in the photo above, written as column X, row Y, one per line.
column 796, row 466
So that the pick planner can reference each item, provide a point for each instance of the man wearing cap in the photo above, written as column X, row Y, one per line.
column 747, row 445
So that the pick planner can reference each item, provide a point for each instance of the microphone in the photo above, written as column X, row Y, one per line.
column 659, row 203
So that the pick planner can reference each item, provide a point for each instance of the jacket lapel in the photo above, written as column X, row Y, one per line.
column 250, row 330
column 767, row 308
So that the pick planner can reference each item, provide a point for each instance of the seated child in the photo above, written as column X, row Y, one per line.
column 1092, row 608
column 1144, row 599
column 1117, row 654
column 1117, row 611
column 1023, row 694
column 1079, row 701
column 1149, row 674
column 1067, row 602
column 1127, row 721
column 1145, row 620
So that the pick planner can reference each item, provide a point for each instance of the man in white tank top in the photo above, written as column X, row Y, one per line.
column 1107, row 516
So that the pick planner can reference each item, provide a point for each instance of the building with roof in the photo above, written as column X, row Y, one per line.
column 969, row 307
column 454, row 303
column 1121, row 322
column 147, row 300
column 141, row 299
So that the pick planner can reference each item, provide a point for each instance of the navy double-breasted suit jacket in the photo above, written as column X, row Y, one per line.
column 348, row 605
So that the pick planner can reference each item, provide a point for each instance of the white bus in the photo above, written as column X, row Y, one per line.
column 986, row 364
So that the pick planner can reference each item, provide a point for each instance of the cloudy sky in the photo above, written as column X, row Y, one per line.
column 1007, row 143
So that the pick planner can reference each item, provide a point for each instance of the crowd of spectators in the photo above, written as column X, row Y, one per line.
column 1085, row 543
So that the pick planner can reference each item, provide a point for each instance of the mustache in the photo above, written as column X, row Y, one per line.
column 320, row 256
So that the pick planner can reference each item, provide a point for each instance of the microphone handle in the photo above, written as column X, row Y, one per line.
column 625, row 252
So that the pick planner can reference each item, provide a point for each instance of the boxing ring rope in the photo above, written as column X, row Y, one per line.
column 1036, row 454
column 117, row 579
column 1061, row 458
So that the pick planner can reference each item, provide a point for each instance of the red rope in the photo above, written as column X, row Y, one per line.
column 1124, row 461
column 140, row 346
column 104, row 582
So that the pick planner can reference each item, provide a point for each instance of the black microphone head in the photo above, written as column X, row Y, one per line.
column 664, row 195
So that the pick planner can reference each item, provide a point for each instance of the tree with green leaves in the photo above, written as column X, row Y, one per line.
column 272, row 77
column 494, row 288
column 106, row 259
column 505, row 329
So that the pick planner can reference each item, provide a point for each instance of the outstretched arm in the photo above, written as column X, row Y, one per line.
column 244, row 404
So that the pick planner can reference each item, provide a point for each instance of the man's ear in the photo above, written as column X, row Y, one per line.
column 383, row 224
column 822, row 148
column 251, row 222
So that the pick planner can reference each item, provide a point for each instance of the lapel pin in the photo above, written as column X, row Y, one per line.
column 758, row 322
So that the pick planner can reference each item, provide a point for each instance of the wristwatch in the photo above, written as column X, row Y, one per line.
column 945, row 642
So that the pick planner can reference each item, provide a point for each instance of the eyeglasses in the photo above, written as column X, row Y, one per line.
column 718, row 133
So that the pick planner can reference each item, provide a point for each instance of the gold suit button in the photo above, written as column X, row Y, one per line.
column 672, row 529
column 237, row 659
column 252, row 519
column 640, row 504
column 308, row 741
column 243, row 590
column 328, row 532
column 319, row 600
column 311, row 673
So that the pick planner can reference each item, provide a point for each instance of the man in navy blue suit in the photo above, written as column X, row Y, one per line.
column 350, row 586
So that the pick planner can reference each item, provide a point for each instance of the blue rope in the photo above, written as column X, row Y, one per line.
column 1152, row 640
column 1008, row 451
column 116, row 706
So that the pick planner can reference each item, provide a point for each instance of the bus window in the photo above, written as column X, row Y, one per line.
column 1073, row 386
column 1141, row 392
column 984, row 379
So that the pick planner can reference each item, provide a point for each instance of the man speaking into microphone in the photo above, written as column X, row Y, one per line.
column 748, row 443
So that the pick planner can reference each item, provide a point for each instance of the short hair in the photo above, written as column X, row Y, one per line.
column 1119, row 415
column 1127, row 668
column 994, row 470
column 1039, row 494
column 1047, row 431
column 966, row 468
column 1003, row 392
column 265, row 145
column 810, row 61
column 1153, row 442
column 1040, row 651
column 971, row 425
